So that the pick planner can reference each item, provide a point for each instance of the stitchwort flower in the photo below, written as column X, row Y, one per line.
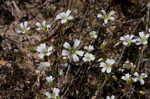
column 128, row 65
column 106, row 16
column 128, row 39
column 143, row 39
column 48, row 95
column 42, row 26
column 89, row 48
column 43, row 50
column 127, row 78
column 49, row 79
column 107, row 65
column 110, row 97
column 24, row 28
column 56, row 93
column 93, row 34
column 88, row 57
column 140, row 77
column 72, row 52
column 64, row 16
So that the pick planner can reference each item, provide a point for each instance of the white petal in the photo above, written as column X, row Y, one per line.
column 108, row 70
column 44, row 23
column 84, row 59
column 28, row 28
column 25, row 24
column 141, row 34
column 145, row 42
column 41, row 55
column 48, row 95
column 147, row 35
column 68, row 12
column 112, row 18
column 125, row 43
column 136, row 74
column 66, row 45
column 38, row 24
column 102, row 64
column 48, row 26
column 58, row 17
column 123, row 77
column 142, row 82
column 103, row 11
column 111, row 12
column 18, row 31
column 21, row 25
column 99, row 16
column 75, row 58
column 70, row 18
column 122, row 38
column 135, row 79
column 76, row 43
column 112, row 97
column 103, row 69
column 110, row 61
column 63, row 21
column 65, row 53
column 106, row 21
column 108, row 97
column 144, row 75
column 148, row 30
column 38, row 29
column 80, row 53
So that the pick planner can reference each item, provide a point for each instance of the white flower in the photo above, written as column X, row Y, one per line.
column 89, row 48
column 128, row 65
column 127, row 40
column 110, row 97
column 43, row 50
column 48, row 95
column 49, row 79
column 139, row 78
column 106, row 17
column 107, row 66
column 56, row 91
column 43, row 65
column 143, row 39
column 127, row 77
column 72, row 52
column 88, row 57
column 42, row 26
column 64, row 16
column 93, row 34
column 23, row 28
column 148, row 30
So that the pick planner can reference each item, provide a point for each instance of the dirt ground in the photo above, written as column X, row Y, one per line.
column 19, row 76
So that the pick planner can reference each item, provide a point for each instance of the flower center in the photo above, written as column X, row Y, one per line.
column 45, row 51
column 108, row 66
column 72, row 51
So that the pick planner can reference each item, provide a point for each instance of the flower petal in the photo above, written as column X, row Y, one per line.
column 38, row 24
column 65, row 53
column 75, row 58
column 76, row 43
column 68, row 12
column 80, row 53
column 66, row 45
column 44, row 23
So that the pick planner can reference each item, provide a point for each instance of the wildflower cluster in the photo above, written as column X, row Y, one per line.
column 75, row 52
column 56, row 91
column 128, row 39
